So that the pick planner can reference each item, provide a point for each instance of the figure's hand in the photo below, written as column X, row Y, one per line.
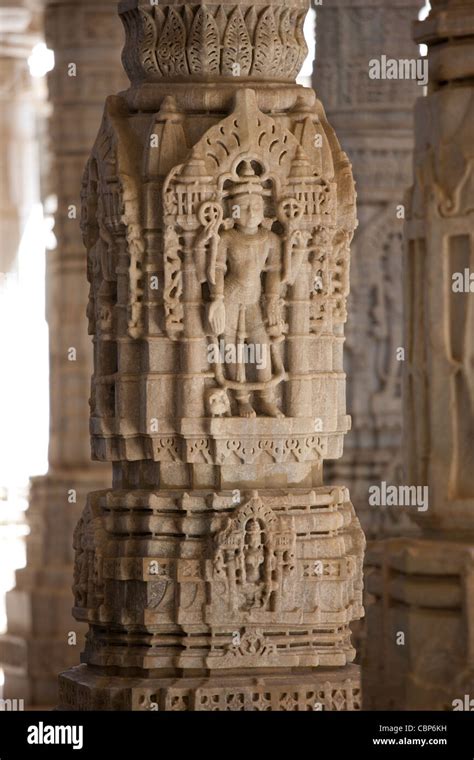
column 273, row 312
column 274, row 318
column 298, row 238
column 216, row 316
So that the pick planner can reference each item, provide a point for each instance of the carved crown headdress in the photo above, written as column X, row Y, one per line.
column 248, row 182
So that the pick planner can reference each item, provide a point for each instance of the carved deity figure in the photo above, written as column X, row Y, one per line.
column 254, row 551
column 244, row 279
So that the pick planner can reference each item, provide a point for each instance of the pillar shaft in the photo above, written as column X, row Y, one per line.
column 423, row 587
column 374, row 121
column 219, row 572
column 18, row 190
column 38, row 644
column 20, row 99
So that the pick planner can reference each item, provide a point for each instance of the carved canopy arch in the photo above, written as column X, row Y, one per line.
column 297, row 197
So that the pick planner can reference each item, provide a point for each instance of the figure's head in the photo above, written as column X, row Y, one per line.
column 251, row 211
column 246, row 196
column 253, row 532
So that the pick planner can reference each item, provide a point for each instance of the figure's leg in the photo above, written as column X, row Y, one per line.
column 243, row 401
column 242, row 396
column 245, row 407
column 267, row 404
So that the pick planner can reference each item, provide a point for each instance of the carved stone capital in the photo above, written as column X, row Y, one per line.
column 216, row 41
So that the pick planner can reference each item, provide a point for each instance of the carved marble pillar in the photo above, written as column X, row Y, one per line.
column 374, row 121
column 424, row 587
column 87, row 36
column 218, row 211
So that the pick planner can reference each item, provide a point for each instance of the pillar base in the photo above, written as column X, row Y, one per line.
column 320, row 689
column 36, row 646
column 420, row 627
column 31, row 666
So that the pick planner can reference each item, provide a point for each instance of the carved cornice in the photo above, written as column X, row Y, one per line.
column 203, row 42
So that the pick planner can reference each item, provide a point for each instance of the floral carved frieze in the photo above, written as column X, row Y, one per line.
column 176, row 41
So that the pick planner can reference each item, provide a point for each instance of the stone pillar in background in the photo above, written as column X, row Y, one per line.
column 218, row 215
column 20, row 99
column 17, row 190
column 424, row 587
column 374, row 121
column 86, row 35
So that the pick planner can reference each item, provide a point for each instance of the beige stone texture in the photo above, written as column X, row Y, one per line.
column 218, row 211
column 36, row 646
column 423, row 587
column 373, row 119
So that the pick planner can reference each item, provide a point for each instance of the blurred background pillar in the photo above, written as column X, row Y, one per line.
column 17, row 189
column 42, row 637
column 374, row 121
column 421, row 625
column 22, row 98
